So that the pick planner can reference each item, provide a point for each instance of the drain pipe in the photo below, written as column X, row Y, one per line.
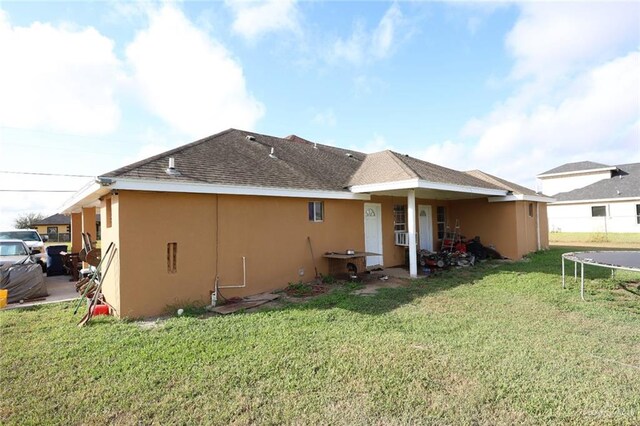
column 217, row 287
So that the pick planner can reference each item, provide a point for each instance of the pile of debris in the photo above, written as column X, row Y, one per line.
column 457, row 251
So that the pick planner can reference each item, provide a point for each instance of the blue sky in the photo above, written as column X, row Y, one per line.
column 513, row 89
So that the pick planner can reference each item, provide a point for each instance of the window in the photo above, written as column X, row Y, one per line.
column 52, row 230
column 108, row 208
column 441, row 219
column 316, row 211
column 530, row 209
column 172, row 258
column 638, row 214
column 400, row 218
column 598, row 211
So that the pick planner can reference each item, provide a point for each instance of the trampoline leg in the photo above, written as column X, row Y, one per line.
column 575, row 271
column 613, row 273
column 582, row 280
column 563, row 272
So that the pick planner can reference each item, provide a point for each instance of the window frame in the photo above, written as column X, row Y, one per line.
column 399, row 212
column 604, row 211
column 312, row 209
column 441, row 210
column 638, row 214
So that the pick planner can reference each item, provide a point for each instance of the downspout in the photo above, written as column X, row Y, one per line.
column 538, row 224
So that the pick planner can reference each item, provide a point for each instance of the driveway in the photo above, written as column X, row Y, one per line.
column 60, row 289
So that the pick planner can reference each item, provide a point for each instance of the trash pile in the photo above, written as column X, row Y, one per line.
column 23, row 281
column 456, row 251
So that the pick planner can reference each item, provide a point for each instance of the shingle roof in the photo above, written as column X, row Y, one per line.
column 232, row 158
column 56, row 219
column 580, row 166
column 624, row 184
column 389, row 166
column 513, row 187
column 229, row 158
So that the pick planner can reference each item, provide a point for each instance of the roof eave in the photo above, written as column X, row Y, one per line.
column 423, row 184
column 522, row 197
column 87, row 196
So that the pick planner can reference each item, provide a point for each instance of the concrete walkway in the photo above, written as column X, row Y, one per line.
column 60, row 289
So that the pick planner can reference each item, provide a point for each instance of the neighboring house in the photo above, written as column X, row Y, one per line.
column 58, row 228
column 593, row 197
column 241, row 209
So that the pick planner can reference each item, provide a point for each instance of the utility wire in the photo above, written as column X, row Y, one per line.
column 43, row 174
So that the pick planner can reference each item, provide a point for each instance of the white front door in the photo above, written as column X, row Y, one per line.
column 373, row 232
column 425, row 222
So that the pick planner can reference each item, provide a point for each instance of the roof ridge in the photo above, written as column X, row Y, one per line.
column 148, row 160
column 396, row 156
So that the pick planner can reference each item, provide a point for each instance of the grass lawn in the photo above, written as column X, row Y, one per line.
column 494, row 344
column 595, row 237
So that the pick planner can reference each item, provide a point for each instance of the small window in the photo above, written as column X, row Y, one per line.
column 598, row 211
column 172, row 258
column 400, row 218
column 441, row 219
column 530, row 209
column 108, row 208
column 316, row 211
column 638, row 214
column 52, row 230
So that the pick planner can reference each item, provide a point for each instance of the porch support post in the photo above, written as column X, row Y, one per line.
column 411, row 219
column 89, row 222
column 76, row 229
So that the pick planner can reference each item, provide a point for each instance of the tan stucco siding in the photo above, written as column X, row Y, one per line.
column 495, row 223
column 111, row 281
column 271, row 233
column 544, row 226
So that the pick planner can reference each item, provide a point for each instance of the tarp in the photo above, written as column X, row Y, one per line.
column 23, row 281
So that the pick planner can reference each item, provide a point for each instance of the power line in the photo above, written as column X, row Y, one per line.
column 34, row 190
column 43, row 174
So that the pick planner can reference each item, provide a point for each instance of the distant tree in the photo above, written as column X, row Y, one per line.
column 26, row 220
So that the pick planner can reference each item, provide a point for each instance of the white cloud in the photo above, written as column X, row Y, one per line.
column 376, row 144
column 552, row 39
column 255, row 18
column 325, row 118
column 188, row 79
column 582, row 106
column 60, row 78
column 363, row 45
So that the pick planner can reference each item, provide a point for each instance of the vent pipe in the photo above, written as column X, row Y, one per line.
column 171, row 170
column 271, row 154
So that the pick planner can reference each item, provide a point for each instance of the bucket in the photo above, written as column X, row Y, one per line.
column 4, row 296
column 100, row 310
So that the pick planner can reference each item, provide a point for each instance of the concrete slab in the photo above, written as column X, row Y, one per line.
column 60, row 289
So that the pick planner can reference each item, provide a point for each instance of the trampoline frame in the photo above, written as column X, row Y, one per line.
column 572, row 257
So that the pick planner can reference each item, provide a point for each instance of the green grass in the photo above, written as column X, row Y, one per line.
column 494, row 344
column 594, row 237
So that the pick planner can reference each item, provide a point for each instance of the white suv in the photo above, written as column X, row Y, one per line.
column 32, row 239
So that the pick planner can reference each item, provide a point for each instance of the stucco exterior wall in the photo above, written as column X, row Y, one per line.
column 555, row 185
column 620, row 217
column 111, row 234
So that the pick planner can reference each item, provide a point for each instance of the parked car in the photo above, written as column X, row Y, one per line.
column 33, row 241
column 13, row 252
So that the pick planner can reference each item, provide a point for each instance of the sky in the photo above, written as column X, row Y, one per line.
column 511, row 88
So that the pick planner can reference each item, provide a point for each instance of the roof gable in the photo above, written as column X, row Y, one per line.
column 624, row 184
column 580, row 166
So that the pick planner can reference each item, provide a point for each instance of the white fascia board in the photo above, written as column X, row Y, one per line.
column 423, row 184
column 386, row 186
column 577, row 172
column 460, row 188
column 86, row 196
column 205, row 188
column 522, row 197
column 601, row 200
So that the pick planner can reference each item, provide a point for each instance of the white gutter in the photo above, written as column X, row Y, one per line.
column 601, row 200
column 207, row 188
column 86, row 195
column 522, row 197
column 423, row 184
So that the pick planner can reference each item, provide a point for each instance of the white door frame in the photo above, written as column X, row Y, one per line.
column 429, row 228
column 373, row 260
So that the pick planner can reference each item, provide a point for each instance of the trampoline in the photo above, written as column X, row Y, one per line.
column 625, row 260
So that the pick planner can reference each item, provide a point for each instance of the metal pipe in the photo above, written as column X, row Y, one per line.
column 244, row 276
column 563, row 271
column 582, row 280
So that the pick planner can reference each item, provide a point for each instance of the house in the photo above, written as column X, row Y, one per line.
column 593, row 197
column 57, row 228
column 240, row 210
